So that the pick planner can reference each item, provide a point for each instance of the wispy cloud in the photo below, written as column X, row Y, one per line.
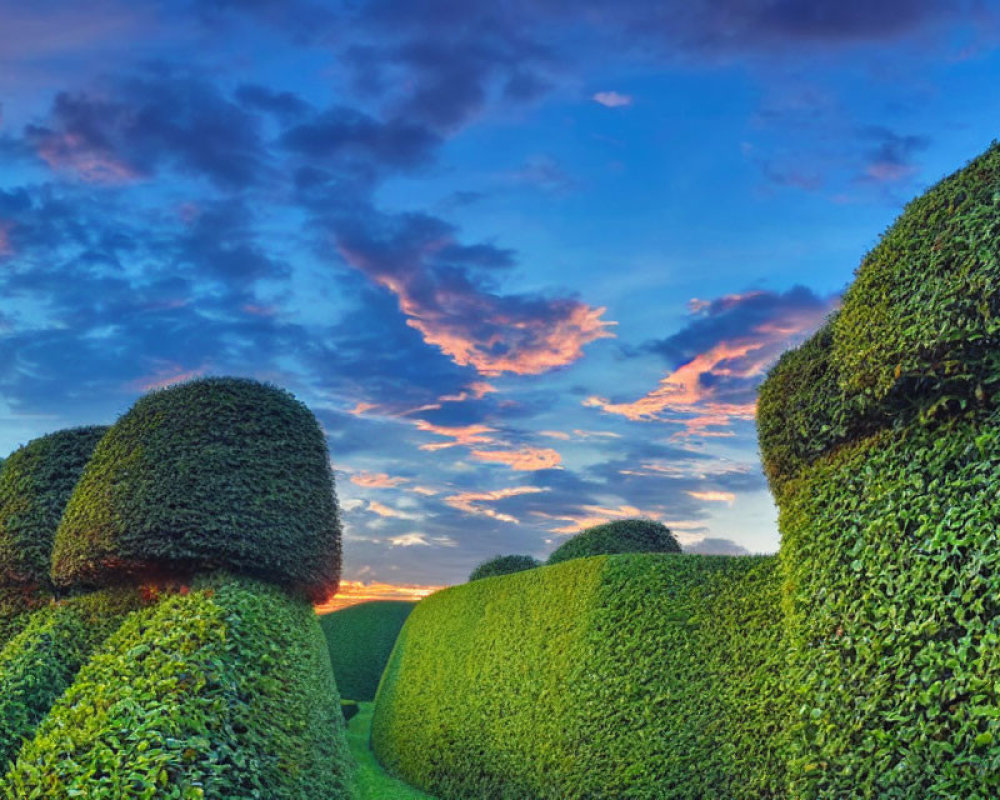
column 522, row 459
column 612, row 99
column 376, row 480
column 353, row 592
column 473, row 502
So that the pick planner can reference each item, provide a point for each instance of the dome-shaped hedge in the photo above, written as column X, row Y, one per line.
column 36, row 482
column 620, row 536
column 503, row 565
column 215, row 473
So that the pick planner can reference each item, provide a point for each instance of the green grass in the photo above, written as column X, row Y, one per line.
column 373, row 781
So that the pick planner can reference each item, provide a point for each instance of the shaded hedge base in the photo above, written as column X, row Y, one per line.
column 223, row 692
column 638, row 676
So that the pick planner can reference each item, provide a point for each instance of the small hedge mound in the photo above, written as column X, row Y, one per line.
column 503, row 565
column 36, row 482
column 620, row 536
column 215, row 473
column 642, row 676
column 40, row 663
column 225, row 692
column 360, row 639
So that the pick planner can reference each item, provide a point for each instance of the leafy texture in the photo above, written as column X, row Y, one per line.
column 39, row 664
column 223, row 692
column 360, row 639
column 503, row 565
column 620, row 536
column 881, row 440
column 16, row 605
column 35, row 483
column 642, row 676
column 219, row 472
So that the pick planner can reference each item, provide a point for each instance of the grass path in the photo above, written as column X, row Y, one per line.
column 375, row 782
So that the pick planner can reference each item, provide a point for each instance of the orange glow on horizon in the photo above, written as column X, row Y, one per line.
column 351, row 593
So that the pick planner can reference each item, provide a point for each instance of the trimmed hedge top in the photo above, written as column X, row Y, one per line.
column 917, row 337
column 36, row 482
column 215, row 473
column 620, row 536
column 503, row 565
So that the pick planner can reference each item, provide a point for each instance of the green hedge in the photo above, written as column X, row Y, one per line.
column 503, row 565
column 224, row 692
column 641, row 676
column 619, row 536
column 40, row 663
column 360, row 639
column 890, row 547
column 917, row 336
column 35, row 483
column 16, row 606
column 215, row 473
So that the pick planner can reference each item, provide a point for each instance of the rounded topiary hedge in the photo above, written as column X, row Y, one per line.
column 36, row 482
column 881, row 440
column 503, row 565
column 620, row 536
column 215, row 473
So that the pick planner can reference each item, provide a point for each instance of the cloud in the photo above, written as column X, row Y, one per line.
column 465, row 435
column 390, row 513
column 446, row 291
column 890, row 159
column 523, row 459
column 591, row 515
column 720, row 357
column 376, row 480
column 612, row 99
column 133, row 127
column 712, row 546
column 353, row 592
column 714, row 496
column 472, row 502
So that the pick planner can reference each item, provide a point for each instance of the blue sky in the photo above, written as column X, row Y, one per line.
column 526, row 262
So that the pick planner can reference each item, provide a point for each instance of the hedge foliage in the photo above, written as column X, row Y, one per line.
column 619, row 536
column 16, row 606
column 641, row 676
column 360, row 639
column 215, row 473
column 503, row 565
column 894, row 576
column 36, row 481
column 223, row 692
column 40, row 663
column 917, row 336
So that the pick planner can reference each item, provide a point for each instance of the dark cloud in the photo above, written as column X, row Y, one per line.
column 286, row 106
column 448, row 292
column 890, row 155
column 735, row 317
column 345, row 137
column 137, row 125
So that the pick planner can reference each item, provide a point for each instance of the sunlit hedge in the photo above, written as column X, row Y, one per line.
column 360, row 639
column 225, row 692
column 218, row 472
column 619, row 536
column 641, row 676
column 40, row 663
column 881, row 439
column 36, row 482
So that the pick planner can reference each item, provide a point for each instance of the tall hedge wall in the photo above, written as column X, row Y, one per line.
column 360, row 639
column 640, row 676
column 880, row 437
column 225, row 692
column 36, row 481
column 215, row 473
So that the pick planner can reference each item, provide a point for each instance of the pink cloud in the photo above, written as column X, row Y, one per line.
column 522, row 459
column 466, row 435
column 376, row 480
column 472, row 502
column 591, row 515
column 68, row 152
column 387, row 512
column 353, row 592
column 166, row 375
column 714, row 497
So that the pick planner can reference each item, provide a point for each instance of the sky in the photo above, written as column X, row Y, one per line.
column 526, row 262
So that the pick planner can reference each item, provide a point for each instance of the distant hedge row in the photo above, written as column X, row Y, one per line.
column 360, row 639
column 605, row 677
column 222, row 692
